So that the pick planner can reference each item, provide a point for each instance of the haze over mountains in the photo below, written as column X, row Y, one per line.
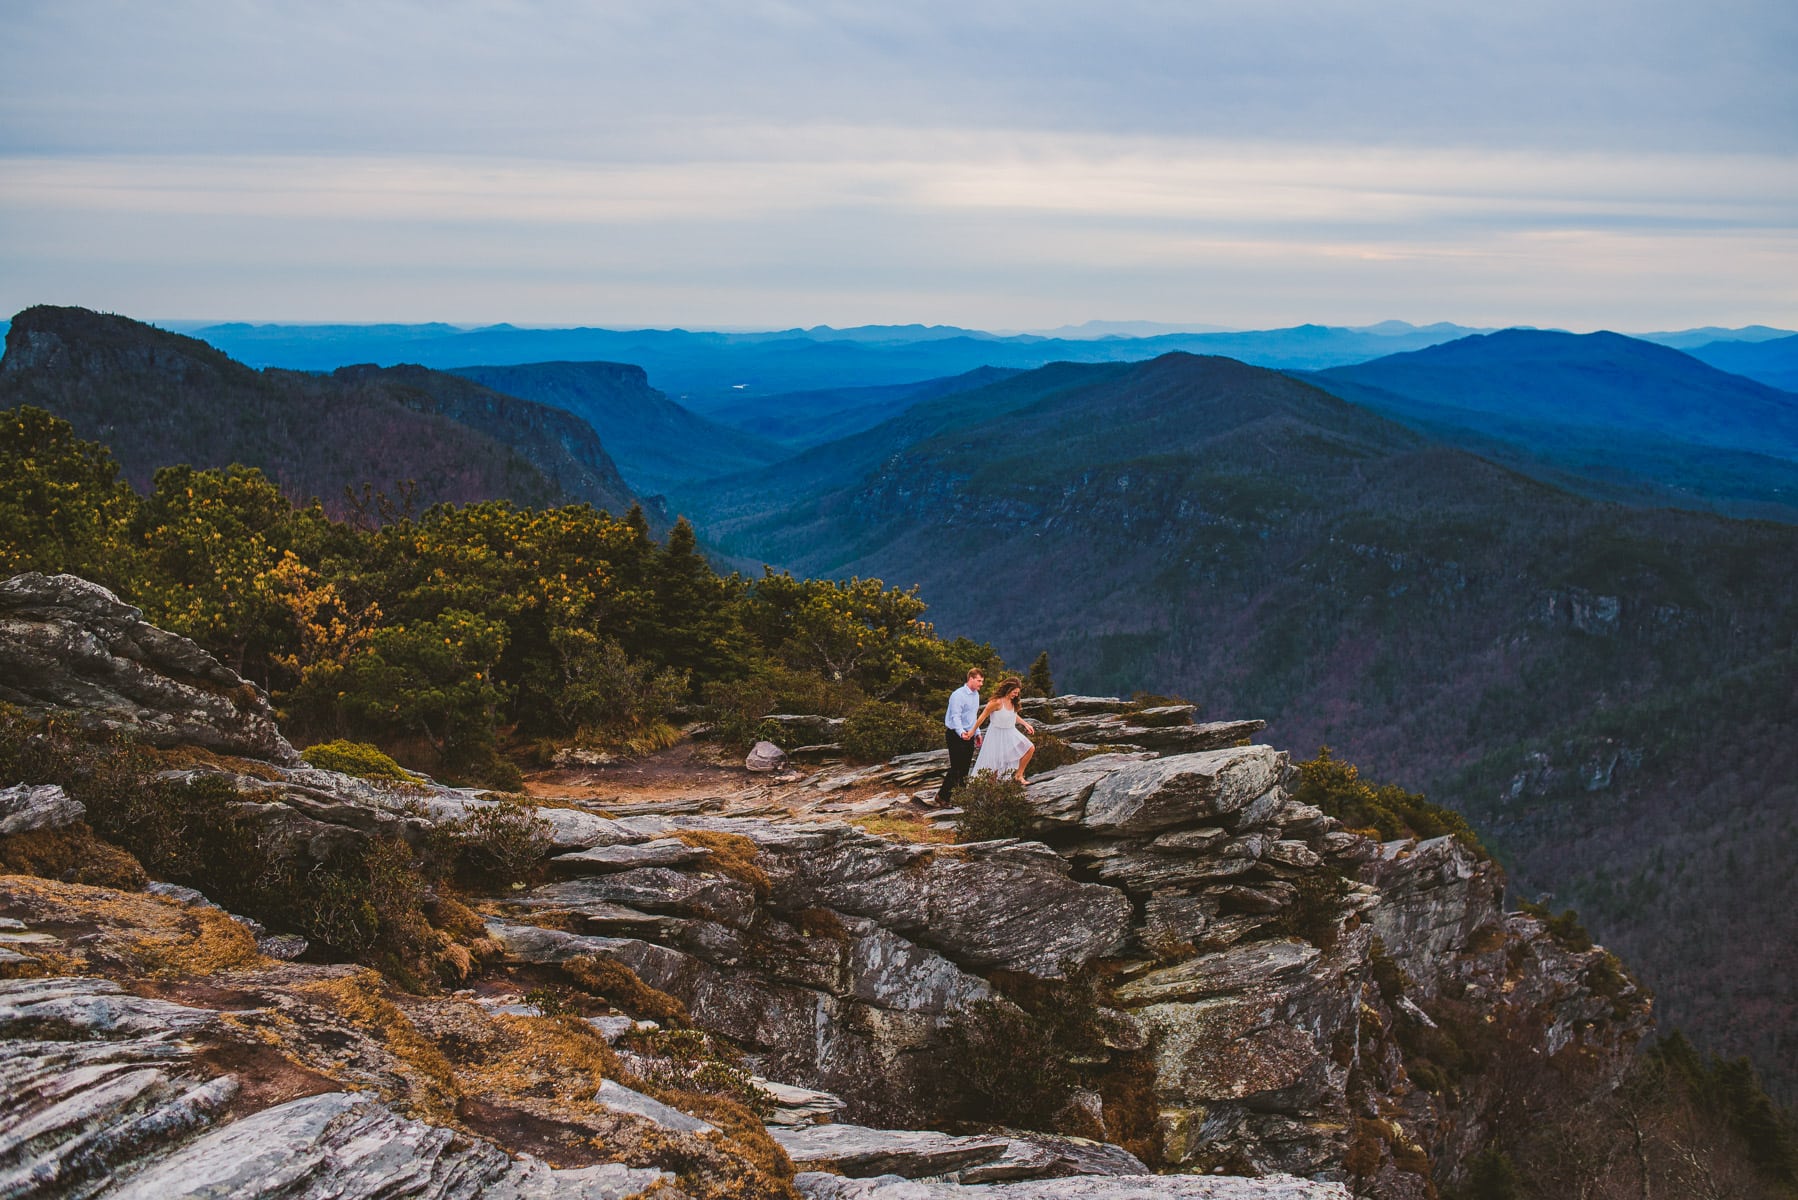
column 1601, row 685
column 1602, row 413
column 1409, row 557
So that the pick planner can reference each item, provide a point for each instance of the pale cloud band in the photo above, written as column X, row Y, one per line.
column 1619, row 163
column 1216, row 231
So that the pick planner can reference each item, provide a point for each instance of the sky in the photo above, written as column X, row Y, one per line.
column 1004, row 165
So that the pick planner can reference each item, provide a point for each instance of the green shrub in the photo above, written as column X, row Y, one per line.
column 1051, row 752
column 603, row 689
column 880, row 730
column 992, row 808
column 690, row 1060
column 1490, row 1176
column 501, row 843
column 366, row 901
column 736, row 708
column 552, row 1001
column 1017, row 1060
column 359, row 759
column 1338, row 789
column 1565, row 929
column 1316, row 914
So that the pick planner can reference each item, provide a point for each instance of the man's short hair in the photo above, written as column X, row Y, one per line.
column 973, row 671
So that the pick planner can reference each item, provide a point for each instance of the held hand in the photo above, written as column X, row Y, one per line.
column 966, row 735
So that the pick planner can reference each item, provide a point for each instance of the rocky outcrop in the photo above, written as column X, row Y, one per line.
column 1266, row 993
column 107, row 1094
column 25, row 807
column 72, row 647
column 855, row 1151
column 1264, row 967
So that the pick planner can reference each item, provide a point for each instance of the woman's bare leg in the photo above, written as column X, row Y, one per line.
column 1024, row 762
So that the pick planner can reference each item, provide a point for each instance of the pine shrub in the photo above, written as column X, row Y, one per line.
column 992, row 808
column 359, row 759
column 880, row 730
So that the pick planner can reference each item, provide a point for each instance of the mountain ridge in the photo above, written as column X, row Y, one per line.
column 1265, row 547
column 166, row 399
column 656, row 443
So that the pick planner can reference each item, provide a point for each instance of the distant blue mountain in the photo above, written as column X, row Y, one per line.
column 1606, row 414
column 1691, row 339
column 656, row 443
column 801, row 419
column 1128, row 329
column 1773, row 362
column 698, row 368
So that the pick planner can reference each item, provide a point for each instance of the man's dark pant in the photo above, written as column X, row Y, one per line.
column 961, row 757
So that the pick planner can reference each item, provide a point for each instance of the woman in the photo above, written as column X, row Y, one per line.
column 1005, row 751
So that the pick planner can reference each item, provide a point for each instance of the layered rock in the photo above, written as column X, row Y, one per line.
column 72, row 647
column 1274, row 991
column 108, row 1094
column 1264, row 963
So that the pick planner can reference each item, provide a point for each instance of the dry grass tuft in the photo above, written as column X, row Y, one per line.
column 901, row 828
column 361, row 999
column 73, row 851
column 621, row 986
column 209, row 942
column 183, row 757
column 733, row 855
column 128, row 932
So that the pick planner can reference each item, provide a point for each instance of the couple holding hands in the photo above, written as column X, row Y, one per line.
column 1004, row 751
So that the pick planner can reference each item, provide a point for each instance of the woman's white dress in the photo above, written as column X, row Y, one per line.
column 1004, row 746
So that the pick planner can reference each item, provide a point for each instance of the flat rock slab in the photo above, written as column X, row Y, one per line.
column 797, row 1105
column 37, row 806
column 572, row 829
column 1048, row 1156
column 347, row 1147
column 619, row 1098
column 858, row 1151
column 1182, row 789
column 604, row 860
column 1237, row 969
column 815, row 1186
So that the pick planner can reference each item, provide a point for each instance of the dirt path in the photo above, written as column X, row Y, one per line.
column 710, row 779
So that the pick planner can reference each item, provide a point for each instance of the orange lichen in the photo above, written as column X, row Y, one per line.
column 733, row 855
column 621, row 985
column 899, row 827
column 54, row 853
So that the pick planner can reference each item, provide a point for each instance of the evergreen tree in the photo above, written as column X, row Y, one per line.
column 1039, row 682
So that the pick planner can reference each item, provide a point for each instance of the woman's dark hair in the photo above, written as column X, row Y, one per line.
column 1008, row 686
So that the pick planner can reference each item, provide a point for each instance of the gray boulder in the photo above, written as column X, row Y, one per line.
column 859, row 1151
column 27, row 806
column 71, row 648
column 618, row 1098
column 764, row 757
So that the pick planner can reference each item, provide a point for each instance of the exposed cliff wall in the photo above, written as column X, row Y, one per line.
column 1189, row 963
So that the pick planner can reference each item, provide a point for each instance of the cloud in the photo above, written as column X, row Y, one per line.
column 1002, row 163
column 580, row 80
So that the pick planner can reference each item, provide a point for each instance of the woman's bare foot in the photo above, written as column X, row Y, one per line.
column 1019, row 777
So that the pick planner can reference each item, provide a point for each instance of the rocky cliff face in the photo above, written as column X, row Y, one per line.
column 72, row 648
column 1277, row 985
column 1259, row 992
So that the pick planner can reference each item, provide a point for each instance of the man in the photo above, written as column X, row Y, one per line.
column 958, row 733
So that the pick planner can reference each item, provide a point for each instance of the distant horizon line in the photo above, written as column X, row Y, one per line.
column 1397, row 325
column 1094, row 329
